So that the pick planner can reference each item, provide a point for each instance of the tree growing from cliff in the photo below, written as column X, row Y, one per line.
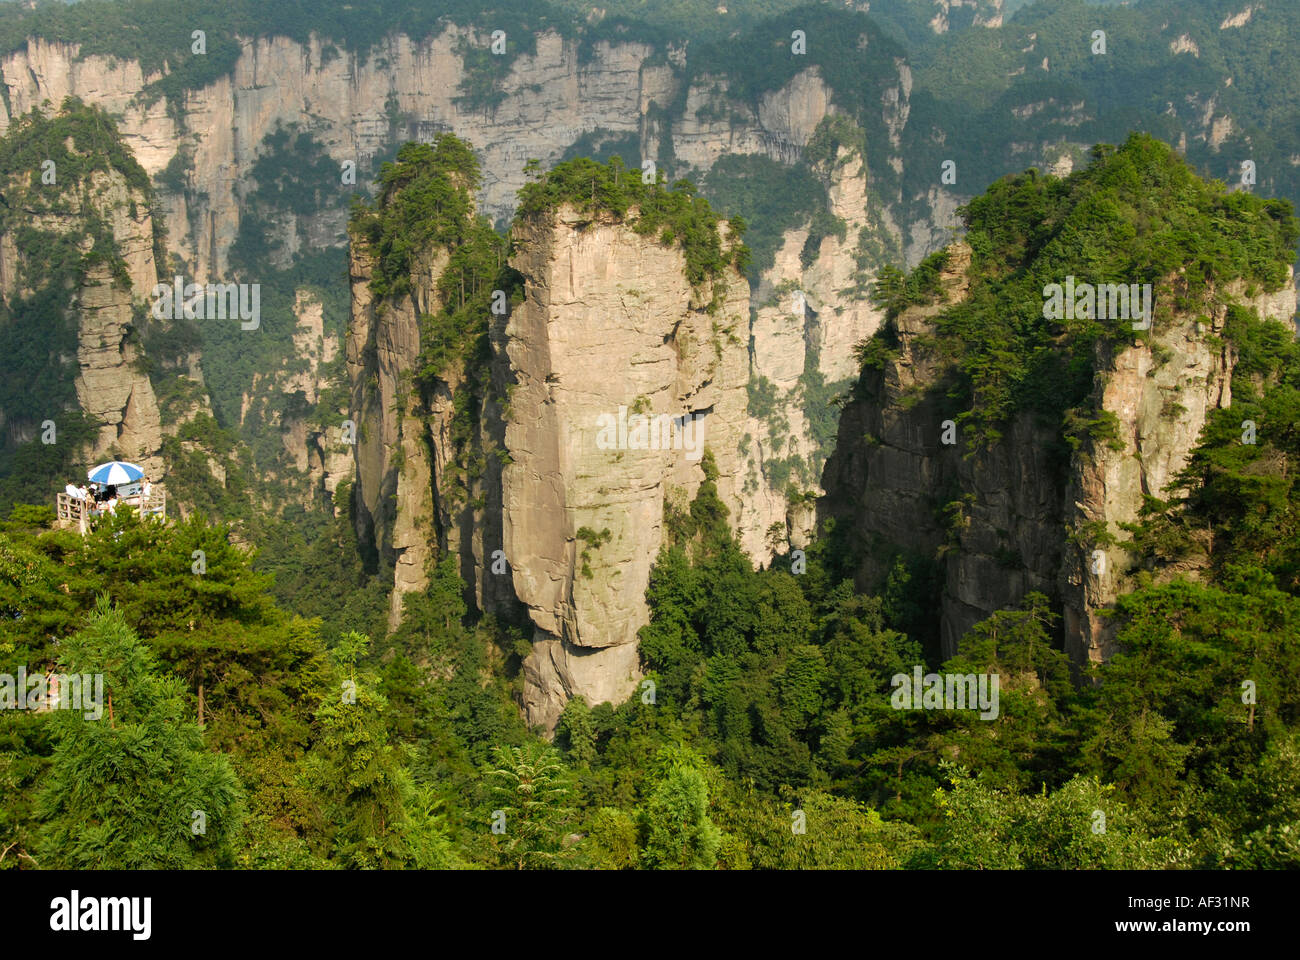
column 674, row 216
column 425, row 200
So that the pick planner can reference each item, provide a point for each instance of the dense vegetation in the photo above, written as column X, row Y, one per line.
column 674, row 215
column 264, row 679
column 1136, row 215
column 771, row 703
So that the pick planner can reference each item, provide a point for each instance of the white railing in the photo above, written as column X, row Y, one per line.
column 154, row 505
column 71, row 511
column 76, row 512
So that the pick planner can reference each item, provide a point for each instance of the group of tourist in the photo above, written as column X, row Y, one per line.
column 100, row 499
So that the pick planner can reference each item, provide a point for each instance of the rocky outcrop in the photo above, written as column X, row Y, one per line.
column 976, row 13
column 1007, row 519
column 314, row 458
column 112, row 389
column 805, row 319
column 394, row 475
column 561, row 521
column 1161, row 392
column 609, row 328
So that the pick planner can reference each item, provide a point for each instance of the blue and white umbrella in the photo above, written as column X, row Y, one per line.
column 114, row 472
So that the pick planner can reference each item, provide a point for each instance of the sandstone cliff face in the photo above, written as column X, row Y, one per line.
column 406, row 89
column 1008, row 519
column 313, row 460
column 1162, row 393
column 410, row 503
column 805, row 319
column 609, row 321
column 394, row 478
column 403, row 89
column 111, row 389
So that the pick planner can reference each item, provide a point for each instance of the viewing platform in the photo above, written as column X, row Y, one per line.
column 76, row 512
column 113, row 486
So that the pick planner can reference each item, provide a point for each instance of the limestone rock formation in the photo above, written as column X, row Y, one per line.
column 805, row 320
column 610, row 327
column 1008, row 519
column 314, row 459
column 1161, row 393
column 565, row 518
column 111, row 388
column 394, row 475
column 551, row 98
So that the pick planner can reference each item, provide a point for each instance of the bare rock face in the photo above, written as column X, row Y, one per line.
column 111, row 388
column 314, row 460
column 844, row 313
column 932, row 231
column 890, row 463
column 394, row 476
column 551, row 98
column 563, row 525
column 804, row 319
column 609, row 327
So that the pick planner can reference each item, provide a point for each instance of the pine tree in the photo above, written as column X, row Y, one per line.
column 134, row 788
column 532, row 787
column 374, row 816
column 678, row 832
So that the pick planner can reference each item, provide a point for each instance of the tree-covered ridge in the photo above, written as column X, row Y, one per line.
column 1136, row 215
column 673, row 215
column 95, row 145
column 1166, row 61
